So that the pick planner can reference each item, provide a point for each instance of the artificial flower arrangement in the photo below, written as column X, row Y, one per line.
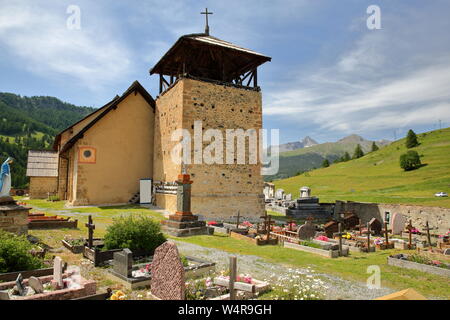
column 322, row 238
column 445, row 236
column 378, row 241
column 247, row 224
column 118, row 295
column 212, row 223
column 347, row 236
column 415, row 231
column 246, row 278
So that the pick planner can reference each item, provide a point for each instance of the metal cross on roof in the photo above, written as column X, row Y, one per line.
column 206, row 15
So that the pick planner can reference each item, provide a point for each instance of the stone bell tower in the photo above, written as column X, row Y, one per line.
column 208, row 81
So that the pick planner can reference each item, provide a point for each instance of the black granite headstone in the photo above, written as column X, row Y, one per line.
column 123, row 263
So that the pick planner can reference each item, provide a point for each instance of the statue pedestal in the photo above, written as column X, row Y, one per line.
column 13, row 218
column 183, row 222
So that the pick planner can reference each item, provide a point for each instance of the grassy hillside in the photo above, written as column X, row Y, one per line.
column 304, row 159
column 377, row 177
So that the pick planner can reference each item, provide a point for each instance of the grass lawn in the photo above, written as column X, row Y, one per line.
column 353, row 267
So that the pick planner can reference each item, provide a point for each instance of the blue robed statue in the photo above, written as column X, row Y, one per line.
column 5, row 178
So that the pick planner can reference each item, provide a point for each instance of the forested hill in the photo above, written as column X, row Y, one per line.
column 22, row 115
column 32, row 123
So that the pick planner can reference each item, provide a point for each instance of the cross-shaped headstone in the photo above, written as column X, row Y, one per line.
column 206, row 13
column 237, row 219
column 386, row 232
column 360, row 227
column 91, row 227
column 233, row 273
column 339, row 234
column 267, row 224
column 368, row 237
column 409, row 227
column 427, row 228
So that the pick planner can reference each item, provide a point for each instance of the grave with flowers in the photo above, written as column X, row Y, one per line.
column 259, row 235
column 64, row 284
column 421, row 261
column 135, row 274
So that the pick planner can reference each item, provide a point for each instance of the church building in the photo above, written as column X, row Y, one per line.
column 103, row 157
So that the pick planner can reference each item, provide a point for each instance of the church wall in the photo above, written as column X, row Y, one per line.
column 219, row 190
column 123, row 144
column 41, row 186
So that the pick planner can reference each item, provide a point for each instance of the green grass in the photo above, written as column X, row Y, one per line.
column 353, row 267
column 377, row 177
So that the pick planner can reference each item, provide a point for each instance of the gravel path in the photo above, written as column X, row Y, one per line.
column 260, row 269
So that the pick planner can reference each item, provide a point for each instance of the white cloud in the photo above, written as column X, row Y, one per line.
column 37, row 35
column 391, row 78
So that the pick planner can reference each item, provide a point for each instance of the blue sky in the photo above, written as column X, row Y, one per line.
column 330, row 75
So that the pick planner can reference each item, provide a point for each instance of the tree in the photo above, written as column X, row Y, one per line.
column 325, row 163
column 358, row 152
column 411, row 140
column 374, row 147
column 346, row 157
column 410, row 161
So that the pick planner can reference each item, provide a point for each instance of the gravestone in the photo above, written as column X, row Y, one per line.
column 279, row 194
column 36, row 284
column 123, row 263
column 305, row 192
column 351, row 221
column 167, row 271
column 288, row 197
column 447, row 252
column 57, row 272
column 306, row 231
column 19, row 285
column 331, row 227
column 375, row 226
column 398, row 223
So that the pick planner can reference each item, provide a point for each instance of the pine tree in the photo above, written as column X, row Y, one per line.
column 374, row 147
column 410, row 160
column 358, row 152
column 346, row 157
column 325, row 163
column 411, row 140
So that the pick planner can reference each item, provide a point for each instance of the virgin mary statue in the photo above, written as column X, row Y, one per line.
column 5, row 178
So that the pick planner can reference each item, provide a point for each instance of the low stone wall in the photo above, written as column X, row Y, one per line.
column 436, row 216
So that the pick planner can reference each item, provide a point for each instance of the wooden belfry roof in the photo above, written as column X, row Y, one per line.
column 42, row 163
column 204, row 56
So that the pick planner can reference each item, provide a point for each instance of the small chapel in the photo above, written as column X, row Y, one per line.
column 104, row 158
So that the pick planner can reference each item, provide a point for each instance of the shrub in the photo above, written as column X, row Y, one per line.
column 134, row 233
column 411, row 140
column 15, row 253
column 374, row 147
column 325, row 163
column 410, row 161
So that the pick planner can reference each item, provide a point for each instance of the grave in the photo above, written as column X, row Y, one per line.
column 376, row 226
column 62, row 285
column 306, row 206
column 330, row 228
column 183, row 222
column 398, row 223
column 168, row 276
column 351, row 221
column 306, row 231
column 135, row 276
column 93, row 250
column 13, row 217
column 259, row 237
column 50, row 222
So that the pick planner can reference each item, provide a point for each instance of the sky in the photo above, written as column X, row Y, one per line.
column 330, row 75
